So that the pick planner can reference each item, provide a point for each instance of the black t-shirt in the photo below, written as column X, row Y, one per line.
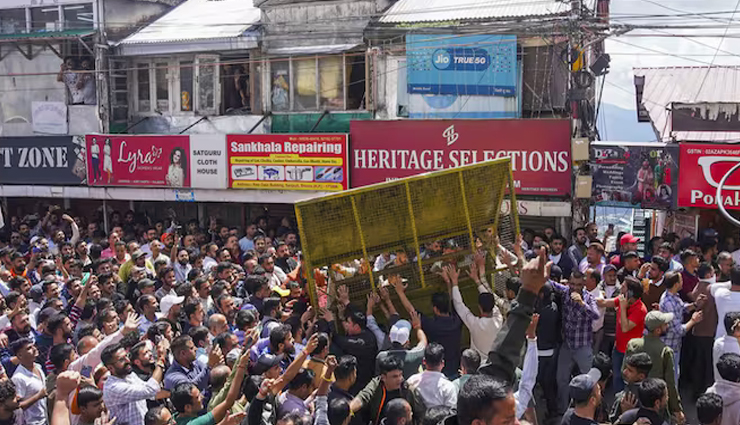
column 570, row 418
column 446, row 331
column 631, row 416
column 390, row 395
column 364, row 346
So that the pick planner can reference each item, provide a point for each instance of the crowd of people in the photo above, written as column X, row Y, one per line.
column 155, row 323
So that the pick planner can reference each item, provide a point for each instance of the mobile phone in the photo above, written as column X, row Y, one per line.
column 611, row 226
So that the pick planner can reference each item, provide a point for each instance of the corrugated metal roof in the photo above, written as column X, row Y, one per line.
column 664, row 86
column 450, row 10
column 199, row 20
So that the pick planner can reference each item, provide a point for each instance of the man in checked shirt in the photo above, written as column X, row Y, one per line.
column 671, row 302
column 579, row 312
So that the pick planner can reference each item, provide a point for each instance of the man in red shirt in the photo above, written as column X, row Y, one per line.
column 631, row 312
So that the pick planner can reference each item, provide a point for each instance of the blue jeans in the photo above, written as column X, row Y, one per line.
column 617, row 381
column 583, row 358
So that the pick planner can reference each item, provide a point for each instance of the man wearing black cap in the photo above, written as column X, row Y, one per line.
column 586, row 395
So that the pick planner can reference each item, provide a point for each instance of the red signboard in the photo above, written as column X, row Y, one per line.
column 288, row 161
column 539, row 150
column 701, row 167
column 138, row 160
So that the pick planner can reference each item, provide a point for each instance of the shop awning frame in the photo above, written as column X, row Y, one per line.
column 24, row 42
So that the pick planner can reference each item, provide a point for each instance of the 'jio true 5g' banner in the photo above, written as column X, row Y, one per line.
column 288, row 161
column 177, row 161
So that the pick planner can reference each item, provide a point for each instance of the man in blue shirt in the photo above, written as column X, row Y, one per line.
column 185, row 368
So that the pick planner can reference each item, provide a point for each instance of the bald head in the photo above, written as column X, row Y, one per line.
column 86, row 344
column 218, row 377
column 217, row 324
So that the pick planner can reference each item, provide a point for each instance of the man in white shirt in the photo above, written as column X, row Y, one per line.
column 156, row 247
column 592, row 286
column 483, row 329
column 435, row 389
column 728, row 343
column 149, row 236
column 210, row 261
column 726, row 298
column 30, row 382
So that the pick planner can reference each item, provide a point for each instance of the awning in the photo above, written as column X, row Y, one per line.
column 312, row 50
column 45, row 36
column 197, row 25
column 23, row 42
column 158, row 194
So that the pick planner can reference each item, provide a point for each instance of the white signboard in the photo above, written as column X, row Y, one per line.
column 208, row 161
column 49, row 117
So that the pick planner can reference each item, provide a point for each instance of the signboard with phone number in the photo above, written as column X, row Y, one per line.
column 316, row 162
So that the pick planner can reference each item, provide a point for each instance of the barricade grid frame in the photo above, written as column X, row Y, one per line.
column 439, row 217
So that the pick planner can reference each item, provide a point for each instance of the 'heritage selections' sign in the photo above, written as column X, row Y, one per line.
column 56, row 160
column 539, row 150
column 288, row 161
column 702, row 168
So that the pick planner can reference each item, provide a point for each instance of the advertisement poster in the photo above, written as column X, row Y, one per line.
column 636, row 175
column 288, row 161
column 539, row 150
column 483, row 65
column 702, row 168
column 54, row 160
column 152, row 161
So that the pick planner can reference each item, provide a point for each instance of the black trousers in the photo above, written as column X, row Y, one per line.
column 546, row 379
column 698, row 367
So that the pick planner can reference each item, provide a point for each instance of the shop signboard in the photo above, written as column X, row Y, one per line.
column 483, row 65
column 703, row 166
column 316, row 162
column 197, row 161
column 539, row 150
column 53, row 160
column 636, row 175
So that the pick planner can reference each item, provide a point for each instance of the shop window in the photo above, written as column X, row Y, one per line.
column 236, row 85
column 280, row 85
column 12, row 21
column 326, row 83
column 186, row 85
column 207, row 77
column 177, row 85
column 78, row 16
column 143, row 88
column 45, row 19
column 162, row 86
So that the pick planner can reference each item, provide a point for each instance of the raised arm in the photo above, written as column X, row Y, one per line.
column 386, row 297
column 292, row 370
column 75, row 229
column 66, row 383
column 397, row 283
column 624, row 323
column 506, row 351
column 529, row 369
column 420, row 335
column 220, row 411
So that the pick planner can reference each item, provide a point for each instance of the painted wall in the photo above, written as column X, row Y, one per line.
column 17, row 93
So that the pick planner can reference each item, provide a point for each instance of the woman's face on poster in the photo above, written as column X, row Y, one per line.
column 176, row 157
